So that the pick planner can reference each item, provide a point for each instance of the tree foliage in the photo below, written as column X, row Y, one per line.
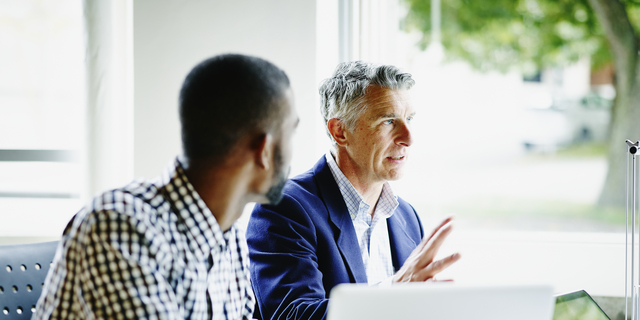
column 525, row 34
column 534, row 34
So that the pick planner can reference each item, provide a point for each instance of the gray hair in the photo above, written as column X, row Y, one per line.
column 342, row 95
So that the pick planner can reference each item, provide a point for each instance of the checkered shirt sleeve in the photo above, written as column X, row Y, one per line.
column 146, row 251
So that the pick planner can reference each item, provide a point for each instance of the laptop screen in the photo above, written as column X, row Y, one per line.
column 437, row 301
column 577, row 306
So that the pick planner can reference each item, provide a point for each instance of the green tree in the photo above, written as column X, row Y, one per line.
column 534, row 34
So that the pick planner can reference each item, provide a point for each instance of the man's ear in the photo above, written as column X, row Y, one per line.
column 264, row 150
column 338, row 131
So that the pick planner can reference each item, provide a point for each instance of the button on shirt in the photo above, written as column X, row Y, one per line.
column 150, row 250
column 372, row 232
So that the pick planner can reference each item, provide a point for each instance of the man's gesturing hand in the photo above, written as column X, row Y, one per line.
column 420, row 265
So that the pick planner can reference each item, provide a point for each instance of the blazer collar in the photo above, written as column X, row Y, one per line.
column 401, row 243
column 345, row 234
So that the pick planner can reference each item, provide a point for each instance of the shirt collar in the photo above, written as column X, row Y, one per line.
column 201, row 225
column 387, row 203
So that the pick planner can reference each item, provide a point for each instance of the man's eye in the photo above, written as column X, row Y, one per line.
column 390, row 121
column 409, row 119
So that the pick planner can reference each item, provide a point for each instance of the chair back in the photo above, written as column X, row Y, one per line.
column 23, row 269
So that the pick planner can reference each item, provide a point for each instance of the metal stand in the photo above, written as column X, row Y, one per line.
column 631, row 200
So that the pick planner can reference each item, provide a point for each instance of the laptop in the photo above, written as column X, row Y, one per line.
column 435, row 301
column 577, row 306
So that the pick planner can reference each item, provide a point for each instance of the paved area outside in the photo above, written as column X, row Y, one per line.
column 530, row 193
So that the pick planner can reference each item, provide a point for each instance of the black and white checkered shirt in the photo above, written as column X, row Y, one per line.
column 151, row 250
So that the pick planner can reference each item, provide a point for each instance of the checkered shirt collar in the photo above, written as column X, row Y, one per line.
column 203, row 228
column 388, row 201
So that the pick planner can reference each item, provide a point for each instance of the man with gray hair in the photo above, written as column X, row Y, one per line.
column 340, row 222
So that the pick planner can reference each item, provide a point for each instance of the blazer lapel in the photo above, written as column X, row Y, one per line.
column 401, row 243
column 339, row 215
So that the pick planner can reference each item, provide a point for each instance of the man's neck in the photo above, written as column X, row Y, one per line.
column 370, row 191
column 222, row 190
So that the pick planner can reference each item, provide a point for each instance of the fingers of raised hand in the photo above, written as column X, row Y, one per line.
column 435, row 231
column 429, row 250
column 434, row 268
column 440, row 226
column 420, row 265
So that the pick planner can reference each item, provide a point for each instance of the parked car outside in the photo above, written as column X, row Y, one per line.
column 565, row 122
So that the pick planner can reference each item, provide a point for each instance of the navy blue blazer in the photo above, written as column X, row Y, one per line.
column 306, row 245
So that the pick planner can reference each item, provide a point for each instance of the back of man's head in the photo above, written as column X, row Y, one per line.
column 342, row 95
column 226, row 98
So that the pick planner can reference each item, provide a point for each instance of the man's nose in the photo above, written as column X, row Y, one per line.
column 404, row 138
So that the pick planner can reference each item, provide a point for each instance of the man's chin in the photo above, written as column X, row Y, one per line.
column 395, row 176
column 274, row 195
column 274, row 198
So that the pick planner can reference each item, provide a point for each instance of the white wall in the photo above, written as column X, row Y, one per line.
column 170, row 37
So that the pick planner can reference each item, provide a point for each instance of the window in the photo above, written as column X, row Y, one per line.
column 41, row 115
column 499, row 154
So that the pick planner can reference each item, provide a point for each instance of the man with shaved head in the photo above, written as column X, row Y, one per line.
column 168, row 248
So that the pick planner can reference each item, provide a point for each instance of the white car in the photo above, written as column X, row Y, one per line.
column 566, row 122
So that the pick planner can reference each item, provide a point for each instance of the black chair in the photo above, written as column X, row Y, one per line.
column 23, row 269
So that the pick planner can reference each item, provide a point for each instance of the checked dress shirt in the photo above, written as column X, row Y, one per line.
column 150, row 250
column 372, row 232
